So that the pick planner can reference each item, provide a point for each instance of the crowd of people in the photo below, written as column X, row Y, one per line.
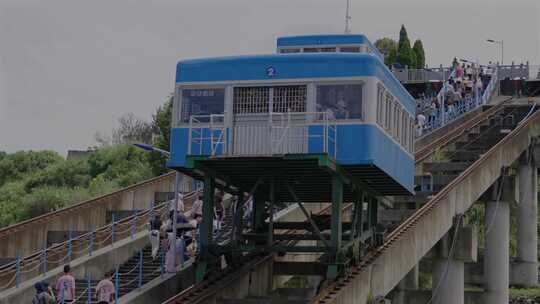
column 64, row 290
column 188, row 224
column 161, row 236
column 458, row 94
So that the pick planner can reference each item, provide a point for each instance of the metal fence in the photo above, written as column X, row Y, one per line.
column 519, row 71
column 448, row 114
column 39, row 263
column 422, row 75
column 276, row 133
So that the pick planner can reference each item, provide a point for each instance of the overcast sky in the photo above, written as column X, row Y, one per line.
column 69, row 68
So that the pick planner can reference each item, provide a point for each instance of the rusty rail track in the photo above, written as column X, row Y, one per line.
column 209, row 287
column 422, row 154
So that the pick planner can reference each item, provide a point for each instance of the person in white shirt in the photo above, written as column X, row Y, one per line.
column 180, row 203
column 197, row 209
column 421, row 120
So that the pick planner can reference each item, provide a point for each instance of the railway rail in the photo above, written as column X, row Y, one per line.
column 331, row 294
column 198, row 293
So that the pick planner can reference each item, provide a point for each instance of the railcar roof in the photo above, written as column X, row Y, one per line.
column 322, row 40
column 336, row 39
column 290, row 67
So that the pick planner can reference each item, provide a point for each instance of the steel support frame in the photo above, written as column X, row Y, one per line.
column 206, row 227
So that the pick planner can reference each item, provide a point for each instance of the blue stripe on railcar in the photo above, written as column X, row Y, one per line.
column 367, row 145
column 293, row 66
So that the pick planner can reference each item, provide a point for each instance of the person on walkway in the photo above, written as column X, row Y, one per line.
column 155, row 226
column 181, row 254
column 105, row 290
column 197, row 209
column 180, row 203
column 219, row 209
column 44, row 294
column 421, row 120
column 65, row 287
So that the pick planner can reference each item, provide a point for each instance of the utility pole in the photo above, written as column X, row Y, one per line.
column 348, row 18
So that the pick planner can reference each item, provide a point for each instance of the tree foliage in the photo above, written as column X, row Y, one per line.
column 405, row 55
column 39, row 182
column 388, row 47
column 161, row 122
column 418, row 49
column 400, row 52
column 131, row 130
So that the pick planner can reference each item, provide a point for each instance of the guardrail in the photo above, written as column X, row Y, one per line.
column 446, row 115
column 519, row 71
column 274, row 133
column 422, row 75
column 38, row 263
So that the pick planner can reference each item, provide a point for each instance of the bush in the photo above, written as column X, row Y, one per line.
column 70, row 173
column 47, row 199
column 11, row 207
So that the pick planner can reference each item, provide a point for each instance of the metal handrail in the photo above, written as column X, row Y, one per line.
column 279, row 124
column 18, row 267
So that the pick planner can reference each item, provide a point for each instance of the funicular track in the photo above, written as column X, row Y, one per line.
column 215, row 282
column 376, row 274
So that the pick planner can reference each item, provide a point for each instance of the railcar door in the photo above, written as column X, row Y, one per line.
column 269, row 120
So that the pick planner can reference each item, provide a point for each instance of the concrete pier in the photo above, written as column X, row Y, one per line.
column 448, row 274
column 451, row 289
column 496, row 261
column 527, row 238
column 406, row 285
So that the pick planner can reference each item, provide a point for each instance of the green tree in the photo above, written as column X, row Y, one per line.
column 404, row 52
column 11, row 206
column 123, row 164
column 161, row 123
column 68, row 173
column 388, row 47
column 15, row 166
column 418, row 49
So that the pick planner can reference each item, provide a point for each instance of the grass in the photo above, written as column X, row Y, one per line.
column 524, row 292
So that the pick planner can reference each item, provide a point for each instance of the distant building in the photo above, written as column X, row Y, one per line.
column 77, row 154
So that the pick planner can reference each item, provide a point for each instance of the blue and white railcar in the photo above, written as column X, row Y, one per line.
column 346, row 105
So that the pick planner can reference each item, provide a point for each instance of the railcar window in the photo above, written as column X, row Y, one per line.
column 398, row 123
column 350, row 50
column 405, row 132
column 201, row 102
column 249, row 100
column 328, row 50
column 380, row 105
column 395, row 118
column 289, row 99
column 388, row 116
column 311, row 50
column 411, row 140
column 343, row 101
column 288, row 51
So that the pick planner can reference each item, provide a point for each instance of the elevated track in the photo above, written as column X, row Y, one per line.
column 385, row 266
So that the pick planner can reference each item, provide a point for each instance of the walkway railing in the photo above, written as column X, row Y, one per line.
column 263, row 134
column 31, row 266
column 452, row 112
column 422, row 75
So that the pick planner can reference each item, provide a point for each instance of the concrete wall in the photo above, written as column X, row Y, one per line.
column 163, row 288
column 29, row 236
column 100, row 262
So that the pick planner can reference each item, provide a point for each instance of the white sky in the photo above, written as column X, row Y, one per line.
column 69, row 68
